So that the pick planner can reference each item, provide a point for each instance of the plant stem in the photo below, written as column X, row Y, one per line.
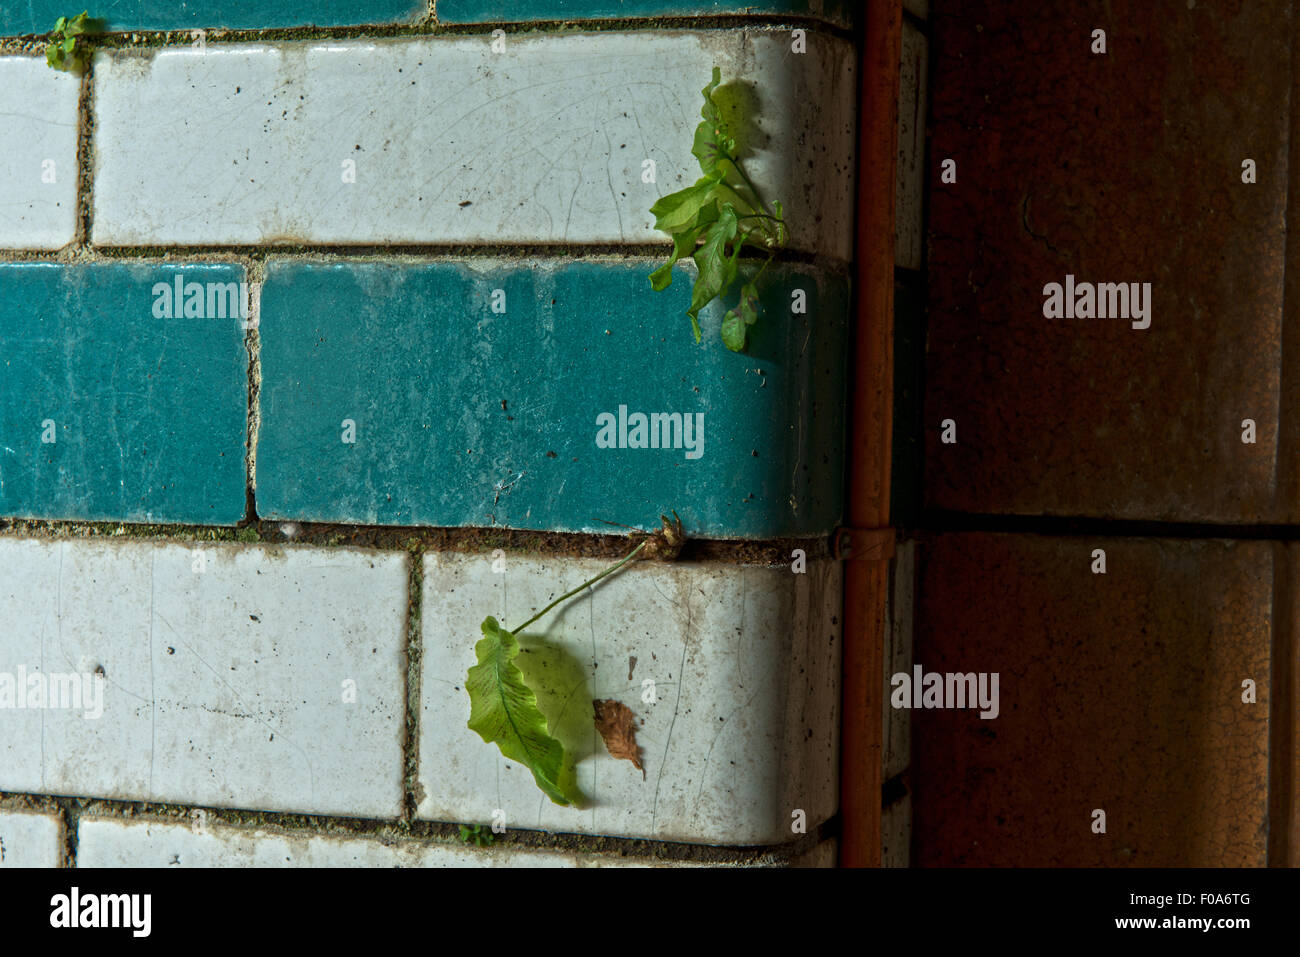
column 748, row 182
column 586, row 584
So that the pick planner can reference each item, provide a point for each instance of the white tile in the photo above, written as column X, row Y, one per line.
column 30, row 839
column 110, row 842
column 223, row 687
column 898, row 658
column 38, row 154
column 743, row 731
column 909, row 203
column 454, row 143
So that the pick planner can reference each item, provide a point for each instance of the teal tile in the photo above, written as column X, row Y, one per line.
column 147, row 414
column 468, row 417
column 38, row 16
column 477, row 11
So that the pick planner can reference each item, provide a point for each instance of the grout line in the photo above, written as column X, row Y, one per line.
column 414, row 657
column 420, row 832
column 253, row 342
column 70, row 821
column 434, row 252
column 414, row 254
column 85, row 162
column 31, row 44
column 772, row 551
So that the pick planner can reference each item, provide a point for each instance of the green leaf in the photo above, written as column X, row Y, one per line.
column 54, row 56
column 60, row 24
column 736, row 323
column 714, row 137
column 677, row 211
column 476, row 834
column 711, row 146
column 733, row 332
column 710, row 109
column 503, row 710
column 716, row 268
column 683, row 246
column 69, row 44
column 79, row 24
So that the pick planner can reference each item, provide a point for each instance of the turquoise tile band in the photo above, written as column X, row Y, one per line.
column 475, row 11
column 38, row 16
column 394, row 394
column 113, row 405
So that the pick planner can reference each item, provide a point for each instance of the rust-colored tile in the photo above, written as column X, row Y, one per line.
column 1122, row 167
column 1120, row 691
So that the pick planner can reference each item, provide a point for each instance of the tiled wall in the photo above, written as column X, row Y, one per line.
column 295, row 327
column 1099, row 533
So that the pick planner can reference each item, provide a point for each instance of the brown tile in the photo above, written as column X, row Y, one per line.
column 1123, row 167
column 1119, row 691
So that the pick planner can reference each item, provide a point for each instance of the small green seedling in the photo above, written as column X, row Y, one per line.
column 478, row 834
column 503, row 708
column 71, row 48
column 723, row 212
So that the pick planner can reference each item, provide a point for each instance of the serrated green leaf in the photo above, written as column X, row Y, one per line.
column 683, row 246
column 79, row 24
column 677, row 211
column 716, row 268
column 705, row 148
column 504, row 712
column 714, row 138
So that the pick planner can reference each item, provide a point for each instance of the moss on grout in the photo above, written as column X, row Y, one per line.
column 72, row 810
column 412, row 791
column 412, row 539
column 428, row 27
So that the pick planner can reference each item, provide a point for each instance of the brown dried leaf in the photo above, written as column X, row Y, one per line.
column 614, row 721
column 666, row 544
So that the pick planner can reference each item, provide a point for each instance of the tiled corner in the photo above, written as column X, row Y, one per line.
column 113, row 407
column 839, row 12
column 1121, row 692
column 38, row 164
column 442, row 140
column 38, row 16
column 220, row 675
column 393, row 394
column 732, row 672
column 30, row 839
